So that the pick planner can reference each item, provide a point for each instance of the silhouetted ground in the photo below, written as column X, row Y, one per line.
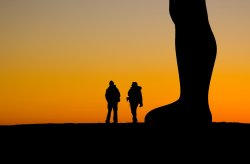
column 123, row 131
column 95, row 142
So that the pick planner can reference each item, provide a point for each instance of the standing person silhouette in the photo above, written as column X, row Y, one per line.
column 112, row 96
column 196, row 53
column 135, row 99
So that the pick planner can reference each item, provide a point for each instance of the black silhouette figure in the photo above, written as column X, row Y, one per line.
column 196, row 53
column 135, row 99
column 112, row 96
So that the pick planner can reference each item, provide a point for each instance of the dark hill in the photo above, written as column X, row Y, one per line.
column 99, row 141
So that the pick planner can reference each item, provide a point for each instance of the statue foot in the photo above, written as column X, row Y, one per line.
column 179, row 114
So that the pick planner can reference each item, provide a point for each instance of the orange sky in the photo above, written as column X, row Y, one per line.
column 57, row 57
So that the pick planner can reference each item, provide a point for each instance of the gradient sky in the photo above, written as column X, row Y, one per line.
column 57, row 57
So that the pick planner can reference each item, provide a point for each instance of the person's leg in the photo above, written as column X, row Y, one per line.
column 108, row 113
column 115, row 109
column 196, row 53
column 133, row 107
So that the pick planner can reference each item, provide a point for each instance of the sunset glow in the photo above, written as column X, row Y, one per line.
column 58, row 56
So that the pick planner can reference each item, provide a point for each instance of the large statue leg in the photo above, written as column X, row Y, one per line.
column 196, row 53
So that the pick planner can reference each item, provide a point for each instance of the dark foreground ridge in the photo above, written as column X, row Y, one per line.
column 100, row 142
column 122, row 131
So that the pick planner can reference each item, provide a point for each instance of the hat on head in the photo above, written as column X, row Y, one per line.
column 111, row 82
column 134, row 83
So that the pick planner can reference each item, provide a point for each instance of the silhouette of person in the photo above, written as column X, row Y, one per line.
column 196, row 53
column 112, row 96
column 135, row 99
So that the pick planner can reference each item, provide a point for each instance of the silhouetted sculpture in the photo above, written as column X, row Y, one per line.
column 135, row 99
column 112, row 96
column 196, row 53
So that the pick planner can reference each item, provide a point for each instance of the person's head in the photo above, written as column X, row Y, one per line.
column 111, row 83
column 134, row 84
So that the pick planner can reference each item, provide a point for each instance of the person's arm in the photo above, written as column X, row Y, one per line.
column 141, row 102
column 119, row 95
column 128, row 95
column 106, row 95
